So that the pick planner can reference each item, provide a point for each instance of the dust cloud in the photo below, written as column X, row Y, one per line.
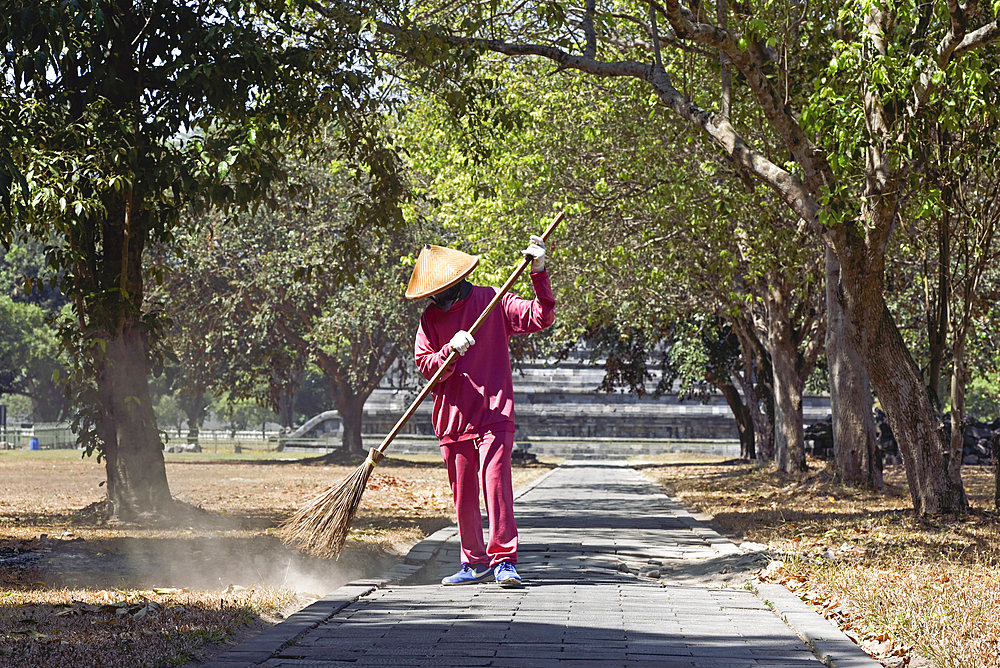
column 205, row 563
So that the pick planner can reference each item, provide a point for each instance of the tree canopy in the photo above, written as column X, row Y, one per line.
column 846, row 122
column 843, row 90
column 298, row 284
column 30, row 360
column 660, row 234
column 118, row 117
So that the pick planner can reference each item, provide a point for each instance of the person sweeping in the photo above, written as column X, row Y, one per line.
column 473, row 413
column 322, row 524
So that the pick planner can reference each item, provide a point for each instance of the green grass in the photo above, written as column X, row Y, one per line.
column 62, row 455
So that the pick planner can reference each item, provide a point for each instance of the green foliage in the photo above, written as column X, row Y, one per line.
column 117, row 119
column 704, row 356
column 30, row 363
column 983, row 399
column 834, row 110
column 947, row 246
column 578, row 149
column 827, row 107
column 241, row 414
column 182, row 108
column 25, row 276
column 656, row 233
column 626, row 351
column 298, row 285
column 169, row 413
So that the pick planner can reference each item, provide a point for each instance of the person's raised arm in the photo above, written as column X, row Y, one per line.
column 532, row 315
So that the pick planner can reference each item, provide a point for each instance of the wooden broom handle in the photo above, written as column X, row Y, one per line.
column 378, row 453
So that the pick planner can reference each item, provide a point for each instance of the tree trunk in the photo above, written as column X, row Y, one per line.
column 789, row 438
column 194, row 405
column 861, row 246
column 938, row 317
column 958, row 380
column 762, row 414
column 137, row 477
column 348, row 402
column 352, row 413
column 855, row 449
column 915, row 423
column 744, row 423
column 129, row 439
column 760, row 408
column 286, row 408
column 758, row 394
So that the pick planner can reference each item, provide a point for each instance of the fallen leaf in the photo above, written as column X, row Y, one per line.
column 31, row 633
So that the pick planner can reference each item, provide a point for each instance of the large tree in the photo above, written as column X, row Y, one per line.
column 659, row 237
column 841, row 88
column 116, row 117
column 946, row 288
column 297, row 282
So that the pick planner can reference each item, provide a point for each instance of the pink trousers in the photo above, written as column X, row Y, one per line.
column 484, row 462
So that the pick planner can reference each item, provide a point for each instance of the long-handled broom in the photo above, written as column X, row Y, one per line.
column 321, row 525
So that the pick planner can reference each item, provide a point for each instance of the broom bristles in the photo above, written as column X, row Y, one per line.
column 320, row 527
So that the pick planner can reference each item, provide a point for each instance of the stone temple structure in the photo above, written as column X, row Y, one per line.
column 558, row 411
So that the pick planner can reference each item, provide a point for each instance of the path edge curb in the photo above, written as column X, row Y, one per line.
column 829, row 643
column 263, row 646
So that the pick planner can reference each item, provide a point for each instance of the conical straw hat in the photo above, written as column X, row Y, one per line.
column 438, row 269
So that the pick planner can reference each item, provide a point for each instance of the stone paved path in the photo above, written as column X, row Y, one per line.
column 607, row 561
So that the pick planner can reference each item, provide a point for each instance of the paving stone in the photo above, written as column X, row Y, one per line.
column 587, row 530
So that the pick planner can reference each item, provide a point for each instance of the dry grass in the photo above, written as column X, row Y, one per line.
column 95, row 627
column 103, row 594
column 899, row 586
column 93, row 594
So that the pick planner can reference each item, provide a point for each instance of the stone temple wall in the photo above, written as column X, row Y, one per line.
column 558, row 411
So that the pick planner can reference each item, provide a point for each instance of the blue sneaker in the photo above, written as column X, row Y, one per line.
column 506, row 575
column 469, row 575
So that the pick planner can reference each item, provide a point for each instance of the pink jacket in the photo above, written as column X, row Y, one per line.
column 476, row 394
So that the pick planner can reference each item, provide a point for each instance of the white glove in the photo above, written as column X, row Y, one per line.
column 461, row 341
column 536, row 253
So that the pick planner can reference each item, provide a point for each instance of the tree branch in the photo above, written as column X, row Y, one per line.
column 796, row 195
column 654, row 34
column 751, row 63
column 587, row 24
column 635, row 42
column 725, row 74
column 919, row 33
column 957, row 42
column 925, row 85
column 988, row 34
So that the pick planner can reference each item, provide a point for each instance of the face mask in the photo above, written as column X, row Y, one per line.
column 445, row 300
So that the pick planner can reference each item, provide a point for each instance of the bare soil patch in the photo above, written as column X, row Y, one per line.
column 78, row 591
column 910, row 591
